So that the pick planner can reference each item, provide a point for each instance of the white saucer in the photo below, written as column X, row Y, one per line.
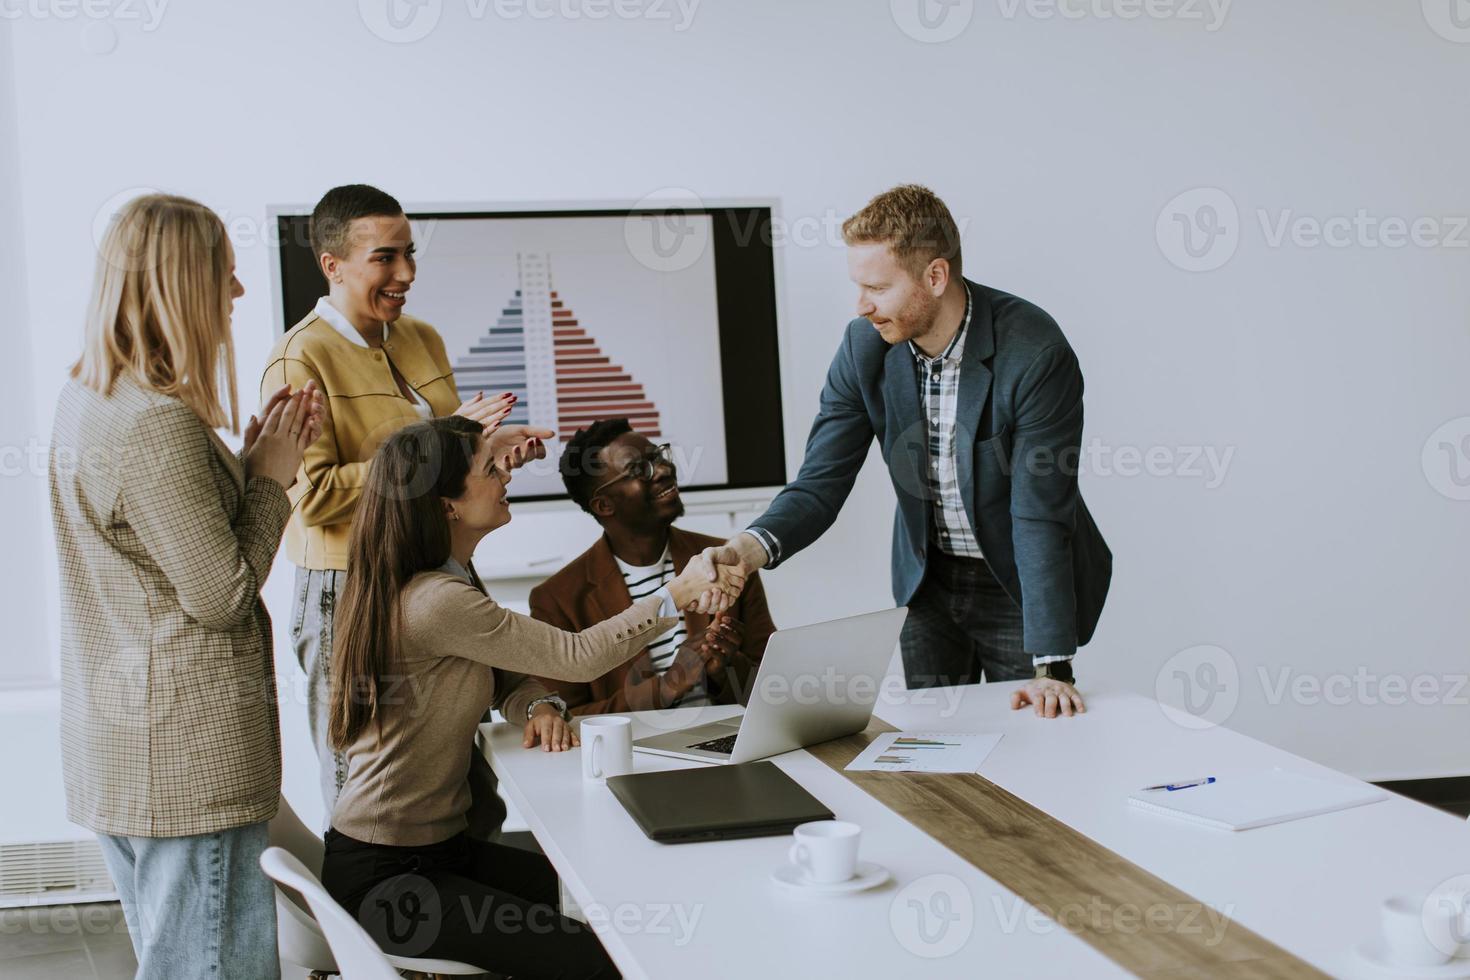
column 868, row 875
column 1375, row 951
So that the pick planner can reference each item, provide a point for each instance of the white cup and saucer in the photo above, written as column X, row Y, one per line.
column 1426, row 937
column 824, row 860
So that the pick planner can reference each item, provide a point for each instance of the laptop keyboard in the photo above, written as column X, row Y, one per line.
column 724, row 744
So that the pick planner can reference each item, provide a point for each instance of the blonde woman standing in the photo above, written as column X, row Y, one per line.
column 170, row 742
column 379, row 370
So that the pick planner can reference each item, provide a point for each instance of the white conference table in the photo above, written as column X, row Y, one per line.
column 1312, row 887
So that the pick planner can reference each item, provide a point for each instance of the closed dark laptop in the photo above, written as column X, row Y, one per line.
column 716, row 802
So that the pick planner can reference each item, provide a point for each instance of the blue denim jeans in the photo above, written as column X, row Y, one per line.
column 961, row 626
column 197, row 907
column 312, row 625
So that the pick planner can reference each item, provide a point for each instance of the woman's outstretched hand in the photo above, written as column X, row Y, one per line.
column 513, row 446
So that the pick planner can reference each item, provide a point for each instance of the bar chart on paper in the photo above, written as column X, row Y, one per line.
column 924, row 752
column 538, row 350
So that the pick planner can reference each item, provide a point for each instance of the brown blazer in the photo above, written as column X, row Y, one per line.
column 591, row 588
column 168, row 695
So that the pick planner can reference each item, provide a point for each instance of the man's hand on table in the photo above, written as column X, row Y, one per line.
column 547, row 729
column 1048, row 697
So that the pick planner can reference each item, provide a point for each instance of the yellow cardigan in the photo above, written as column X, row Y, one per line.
column 364, row 407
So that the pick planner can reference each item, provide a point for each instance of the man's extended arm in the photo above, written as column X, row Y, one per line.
column 836, row 449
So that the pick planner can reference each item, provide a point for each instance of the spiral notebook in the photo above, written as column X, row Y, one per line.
column 1256, row 799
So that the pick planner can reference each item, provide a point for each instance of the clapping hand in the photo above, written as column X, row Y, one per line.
column 686, row 672
column 316, row 406
column 276, row 440
column 721, row 642
column 489, row 412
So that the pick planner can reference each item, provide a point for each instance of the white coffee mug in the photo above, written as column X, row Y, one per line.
column 607, row 746
column 826, row 850
column 1414, row 930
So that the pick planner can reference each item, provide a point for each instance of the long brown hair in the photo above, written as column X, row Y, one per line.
column 160, row 307
column 399, row 530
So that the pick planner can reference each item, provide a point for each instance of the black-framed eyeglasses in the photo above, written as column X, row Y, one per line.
column 641, row 468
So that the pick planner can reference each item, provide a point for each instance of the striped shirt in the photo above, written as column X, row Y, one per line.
column 939, row 390
column 645, row 581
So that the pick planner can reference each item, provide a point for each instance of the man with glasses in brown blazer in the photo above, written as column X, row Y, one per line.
column 629, row 486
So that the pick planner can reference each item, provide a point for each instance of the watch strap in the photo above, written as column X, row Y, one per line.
column 1059, row 670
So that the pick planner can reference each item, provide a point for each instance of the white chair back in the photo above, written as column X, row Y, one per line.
column 358, row 957
column 299, row 937
column 286, row 830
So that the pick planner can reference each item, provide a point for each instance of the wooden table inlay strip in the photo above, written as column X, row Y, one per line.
column 1139, row 921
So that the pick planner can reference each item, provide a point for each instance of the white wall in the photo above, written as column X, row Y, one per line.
column 27, row 655
column 1325, row 550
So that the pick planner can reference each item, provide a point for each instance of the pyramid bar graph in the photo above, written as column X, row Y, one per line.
column 588, row 385
column 497, row 362
column 538, row 350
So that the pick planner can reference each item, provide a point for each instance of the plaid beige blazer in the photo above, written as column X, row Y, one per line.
column 168, row 698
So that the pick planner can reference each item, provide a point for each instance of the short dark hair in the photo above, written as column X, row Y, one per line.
column 581, row 465
column 339, row 207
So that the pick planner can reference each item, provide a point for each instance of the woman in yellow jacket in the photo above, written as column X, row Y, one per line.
column 379, row 370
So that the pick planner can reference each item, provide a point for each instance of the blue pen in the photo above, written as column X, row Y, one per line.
column 1171, row 787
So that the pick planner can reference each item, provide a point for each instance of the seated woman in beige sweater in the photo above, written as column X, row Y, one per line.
column 421, row 650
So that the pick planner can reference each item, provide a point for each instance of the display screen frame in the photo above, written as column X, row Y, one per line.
column 749, row 302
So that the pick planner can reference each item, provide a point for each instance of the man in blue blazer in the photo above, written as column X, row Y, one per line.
column 975, row 397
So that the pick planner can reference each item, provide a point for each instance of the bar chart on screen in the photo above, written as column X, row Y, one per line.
column 560, row 312
column 538, row 350
column 581, row 315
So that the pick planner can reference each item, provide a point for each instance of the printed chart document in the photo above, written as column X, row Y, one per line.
column 924, row 752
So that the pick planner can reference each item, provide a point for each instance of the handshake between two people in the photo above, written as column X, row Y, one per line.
column 713, row 579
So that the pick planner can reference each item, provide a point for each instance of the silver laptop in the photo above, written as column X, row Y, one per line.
column 815, row 683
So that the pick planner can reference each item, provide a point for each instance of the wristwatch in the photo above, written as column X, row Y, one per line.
column 1059, row 670
column 555, row 700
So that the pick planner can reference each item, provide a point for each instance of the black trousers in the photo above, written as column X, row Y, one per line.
column 961, row 626
column 486, row 904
